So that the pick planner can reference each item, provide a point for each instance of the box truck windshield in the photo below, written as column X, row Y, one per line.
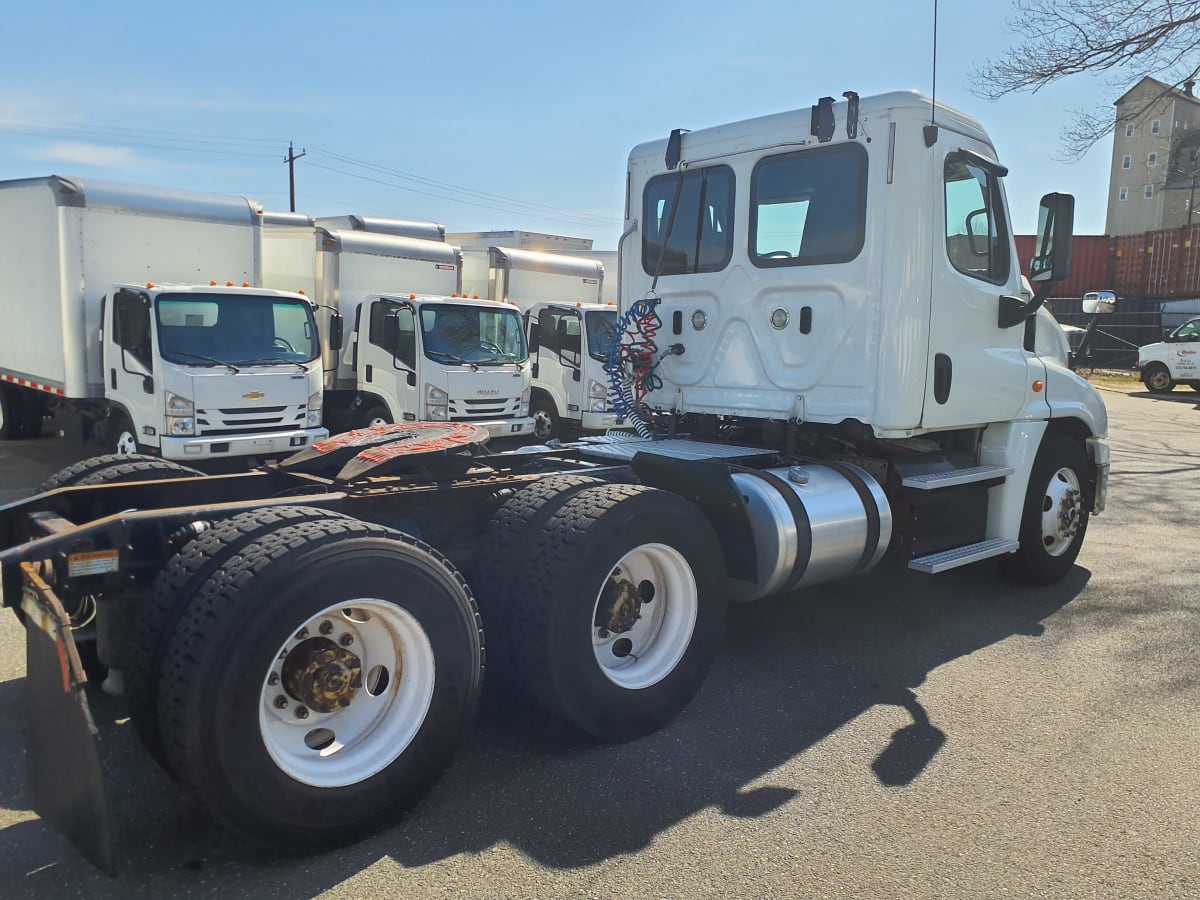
column 223, row 329
column 472, row 335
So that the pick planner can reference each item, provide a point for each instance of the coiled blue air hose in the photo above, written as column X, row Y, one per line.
column 620, row 385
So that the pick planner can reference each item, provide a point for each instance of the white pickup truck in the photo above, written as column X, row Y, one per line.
column 1173, row 360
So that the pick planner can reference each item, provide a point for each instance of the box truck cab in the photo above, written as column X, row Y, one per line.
column 225, row 370
column 443, row 359
column 132, row 315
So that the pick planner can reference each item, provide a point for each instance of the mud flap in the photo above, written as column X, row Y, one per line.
column 66, row 781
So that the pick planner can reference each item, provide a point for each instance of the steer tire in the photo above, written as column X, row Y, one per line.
column 233, row 726
column 506, row 547
column 113, row 468
column 174, row 586
column 577, row 670
column 1059, row 486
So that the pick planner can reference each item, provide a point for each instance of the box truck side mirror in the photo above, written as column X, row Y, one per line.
column 336, row 332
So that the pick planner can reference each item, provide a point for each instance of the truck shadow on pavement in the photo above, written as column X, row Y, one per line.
column 794, row 670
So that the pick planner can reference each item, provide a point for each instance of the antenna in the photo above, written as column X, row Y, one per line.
column 931, row 131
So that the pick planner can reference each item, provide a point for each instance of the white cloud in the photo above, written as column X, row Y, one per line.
column 85, row 154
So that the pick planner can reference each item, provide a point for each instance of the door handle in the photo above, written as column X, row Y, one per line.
column 943, row 375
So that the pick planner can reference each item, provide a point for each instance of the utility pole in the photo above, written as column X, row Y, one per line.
column 290, row 159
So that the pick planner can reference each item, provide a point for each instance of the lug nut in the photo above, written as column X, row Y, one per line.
column 273, row 678
column 326, row 627
column 301, row 712
column 302, row 634
column 281, row 702
column 346, row 639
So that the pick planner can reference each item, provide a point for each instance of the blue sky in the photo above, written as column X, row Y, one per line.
column 483, row 116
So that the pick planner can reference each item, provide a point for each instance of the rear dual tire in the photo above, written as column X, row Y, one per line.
column 620, row 613
column 252, row 648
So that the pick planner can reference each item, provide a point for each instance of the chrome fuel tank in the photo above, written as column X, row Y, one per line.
column 811, row 523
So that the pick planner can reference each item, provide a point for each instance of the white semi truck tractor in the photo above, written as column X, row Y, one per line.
column 133, row 315
column 829, row 364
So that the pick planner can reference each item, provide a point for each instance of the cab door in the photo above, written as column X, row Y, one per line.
column 977, row 372
column 128, row 355
column 387, row 360
column 559, row 358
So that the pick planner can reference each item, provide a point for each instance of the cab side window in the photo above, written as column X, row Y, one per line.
column 131, row 326
column 976, row 231
column 394, row 328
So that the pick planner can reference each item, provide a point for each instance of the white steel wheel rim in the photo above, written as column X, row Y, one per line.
column 126, row 442
column 1159, row 380
column 661, row 636
column 351, row 744
column 376, row 421
column 542, row 425
column 1062, row 511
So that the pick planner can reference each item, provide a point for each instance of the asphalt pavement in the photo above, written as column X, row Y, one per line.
column 894, row 735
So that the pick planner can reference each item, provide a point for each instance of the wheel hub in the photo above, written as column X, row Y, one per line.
column 620, row 606
column 1068, row 513
column 321, row 675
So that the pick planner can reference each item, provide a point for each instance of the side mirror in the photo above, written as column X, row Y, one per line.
column 391, row 331
column 1099, row 302
column 535, row 337
column 1052, row 252
column 335, row 332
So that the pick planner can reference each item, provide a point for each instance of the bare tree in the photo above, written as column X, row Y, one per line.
column 1126, row 39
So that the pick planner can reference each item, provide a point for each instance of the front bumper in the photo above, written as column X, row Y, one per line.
column 1098, row 453
column 598, row 421
column 221, row 446
column 505, row 428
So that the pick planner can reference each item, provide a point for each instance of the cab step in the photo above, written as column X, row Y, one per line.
column 931, row 481
column 961, row 556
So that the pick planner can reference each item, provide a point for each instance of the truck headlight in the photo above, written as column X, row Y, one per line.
column 525, row 398
column 181, row 415
column 181, row 426
column 597, row 396
column 177, row 405
column 314, row 409
column 437, row 404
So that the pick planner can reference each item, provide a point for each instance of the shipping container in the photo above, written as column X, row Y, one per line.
column 1091, row 264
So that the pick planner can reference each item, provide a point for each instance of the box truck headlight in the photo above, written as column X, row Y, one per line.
column 181, row 415
column 597, row 396
column 525, row 397
column 314, row 409
column 437, row 404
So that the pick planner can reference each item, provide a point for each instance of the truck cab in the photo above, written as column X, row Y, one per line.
column 1173, row 360
column 569, row 343
column 444, row 359
column 203, row 372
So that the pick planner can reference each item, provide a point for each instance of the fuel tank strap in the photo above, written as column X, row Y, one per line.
column 855, row 478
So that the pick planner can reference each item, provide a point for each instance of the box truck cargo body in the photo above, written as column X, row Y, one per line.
column 131, row 316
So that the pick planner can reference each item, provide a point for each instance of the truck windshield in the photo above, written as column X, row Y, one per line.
column 235, row 329
column 472, row 335
column 600, row 326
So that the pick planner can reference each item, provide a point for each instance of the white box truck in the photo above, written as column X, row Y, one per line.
column 416, row 349
column 570, row 331
column 846, row 375
column 130, row 315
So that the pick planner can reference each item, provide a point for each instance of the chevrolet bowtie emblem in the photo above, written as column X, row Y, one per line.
column 253, row 395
